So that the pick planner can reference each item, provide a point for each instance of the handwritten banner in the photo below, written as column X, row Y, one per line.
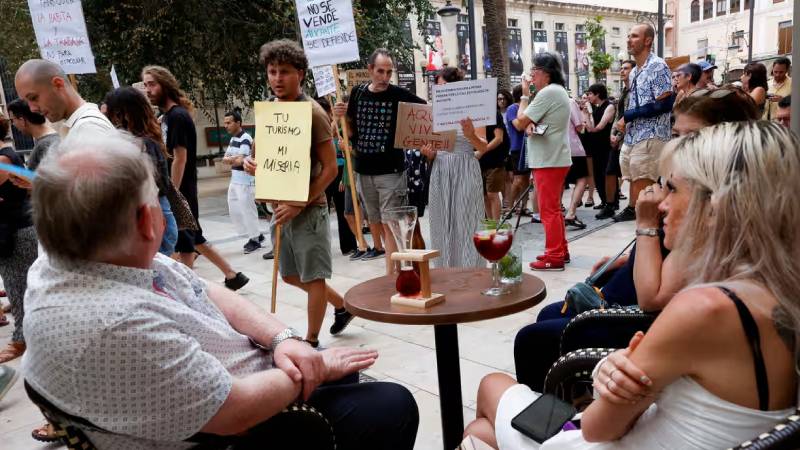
column 415, row 128
column 283, row 134
column 328, row 31
column 324, row 81
column 476, row 99
column 357, row 76
column 61, row 34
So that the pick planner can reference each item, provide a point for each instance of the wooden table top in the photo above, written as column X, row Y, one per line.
column 463, row 299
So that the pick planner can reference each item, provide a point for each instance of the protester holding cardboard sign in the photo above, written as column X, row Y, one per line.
column 372, row 114
column 305, row 245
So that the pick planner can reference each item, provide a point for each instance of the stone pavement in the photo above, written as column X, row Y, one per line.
column 407, row 354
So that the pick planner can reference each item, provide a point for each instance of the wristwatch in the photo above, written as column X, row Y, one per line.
column 288, row 333
column 651, row 232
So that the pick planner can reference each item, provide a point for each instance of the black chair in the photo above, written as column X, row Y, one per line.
column 574, row 370
column 297, row 426
column 617, row 324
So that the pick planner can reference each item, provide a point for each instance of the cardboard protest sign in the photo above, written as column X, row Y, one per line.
column 323, row 80
column 61, row 34
column 328, row 31
column 357, row 76
column 415, row 128
column 476, row 99
column 283, row 158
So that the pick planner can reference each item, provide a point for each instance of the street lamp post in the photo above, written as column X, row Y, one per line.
column 449, row 14
column 796, row 72
column 750, row 38
column 660, row 29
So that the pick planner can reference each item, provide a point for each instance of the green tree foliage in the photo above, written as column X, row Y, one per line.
column 596, row 35
column 211, row 46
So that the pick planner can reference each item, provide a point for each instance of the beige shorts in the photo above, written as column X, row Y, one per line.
column 640, row 162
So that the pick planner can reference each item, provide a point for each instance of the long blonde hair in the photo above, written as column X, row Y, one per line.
column 742, row 220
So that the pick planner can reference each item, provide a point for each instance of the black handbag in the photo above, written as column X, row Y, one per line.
column 586, row 296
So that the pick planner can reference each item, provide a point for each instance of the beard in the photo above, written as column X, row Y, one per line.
column 158, row 100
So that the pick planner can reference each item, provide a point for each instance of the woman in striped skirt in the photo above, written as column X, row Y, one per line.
column 456, row 192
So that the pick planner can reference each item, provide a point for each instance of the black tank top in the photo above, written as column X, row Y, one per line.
column 602, row 138
column 15, row 209
column 754, row 339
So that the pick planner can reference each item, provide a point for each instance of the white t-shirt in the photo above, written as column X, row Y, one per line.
column 85, row 122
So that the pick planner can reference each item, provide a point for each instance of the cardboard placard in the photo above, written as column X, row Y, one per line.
column 415, row 128
column 328, row 31
column 323, row 80
column 61, row 34
column 283, row 133
column 476, row 99
column 357, row 76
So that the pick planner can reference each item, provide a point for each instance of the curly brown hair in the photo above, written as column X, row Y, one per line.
column 283, row 51
column 169, row 85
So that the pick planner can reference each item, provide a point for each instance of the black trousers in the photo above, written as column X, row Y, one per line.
column 364, row 416
column 599, row 164
column 347, row 241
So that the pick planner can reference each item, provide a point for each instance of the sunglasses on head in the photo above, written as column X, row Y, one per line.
column 713, row 93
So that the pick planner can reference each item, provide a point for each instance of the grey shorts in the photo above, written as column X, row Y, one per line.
column 382, row 192
column 306, row 245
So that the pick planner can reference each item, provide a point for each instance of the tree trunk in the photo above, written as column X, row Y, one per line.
column 494, row 12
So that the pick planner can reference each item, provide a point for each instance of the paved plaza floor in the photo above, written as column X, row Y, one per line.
column 407, row 353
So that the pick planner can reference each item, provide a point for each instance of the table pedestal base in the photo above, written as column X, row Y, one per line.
column 449, row 372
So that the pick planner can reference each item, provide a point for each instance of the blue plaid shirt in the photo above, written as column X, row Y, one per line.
column 648, row 83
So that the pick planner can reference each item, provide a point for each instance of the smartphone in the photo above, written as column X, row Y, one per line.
column 540, row 129
column 543, row 418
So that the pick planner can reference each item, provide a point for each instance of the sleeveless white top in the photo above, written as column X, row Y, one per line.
column 685, row 417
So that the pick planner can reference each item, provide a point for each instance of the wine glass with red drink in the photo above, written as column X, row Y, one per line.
column 402, row 222
column 493, row 242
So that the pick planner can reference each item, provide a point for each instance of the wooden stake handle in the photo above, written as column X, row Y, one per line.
column 276, row 250
column 349, row 166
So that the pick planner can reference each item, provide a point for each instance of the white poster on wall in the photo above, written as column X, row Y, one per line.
column 476, row 99
column 323, row 80
column 328, row 31
column 61, row 34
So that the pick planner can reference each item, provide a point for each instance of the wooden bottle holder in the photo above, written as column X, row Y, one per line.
column 426, row 298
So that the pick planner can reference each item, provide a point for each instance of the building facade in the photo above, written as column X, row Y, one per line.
column 534, row 26
column 718, row 30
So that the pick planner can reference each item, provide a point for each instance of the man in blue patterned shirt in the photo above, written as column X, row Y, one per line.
column 646, row 122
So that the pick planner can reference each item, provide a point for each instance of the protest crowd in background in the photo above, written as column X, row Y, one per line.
column 541, row 153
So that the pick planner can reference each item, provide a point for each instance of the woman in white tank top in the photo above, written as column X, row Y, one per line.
column 720, row 359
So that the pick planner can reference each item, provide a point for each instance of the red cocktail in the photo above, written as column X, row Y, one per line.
column 493, row 242
column 408, row 283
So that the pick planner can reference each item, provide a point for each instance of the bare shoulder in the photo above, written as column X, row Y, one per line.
column 695, row 311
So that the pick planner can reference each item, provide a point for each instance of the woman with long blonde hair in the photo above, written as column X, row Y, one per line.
column 720, row 361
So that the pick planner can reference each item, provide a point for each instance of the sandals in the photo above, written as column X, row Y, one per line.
column 588, row 203
column 45, row 433
column 575, row 223
column 12, row 350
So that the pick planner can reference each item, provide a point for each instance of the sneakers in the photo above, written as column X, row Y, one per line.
column 268, row 255
column 606, row 213
column 547, row 265
column 544, row 257
column 236, row 282
column 251, row 246
column 358, row 254
column 373, row 254
column 341, row 318
column 536, row 218
column 626, row 215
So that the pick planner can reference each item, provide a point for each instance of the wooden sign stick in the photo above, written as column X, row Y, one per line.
column 362, row 244
column 346, row 140
column 276, row 250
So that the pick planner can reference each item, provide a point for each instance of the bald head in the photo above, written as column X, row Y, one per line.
column 40, row 71
column 44, row 85
column 640, row 39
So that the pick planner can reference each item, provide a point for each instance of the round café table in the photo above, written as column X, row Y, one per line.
column 463, row 303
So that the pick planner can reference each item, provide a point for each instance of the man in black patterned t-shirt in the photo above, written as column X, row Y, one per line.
column 380, row 167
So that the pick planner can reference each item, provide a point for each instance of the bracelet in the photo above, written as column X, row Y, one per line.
column 525, row 97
